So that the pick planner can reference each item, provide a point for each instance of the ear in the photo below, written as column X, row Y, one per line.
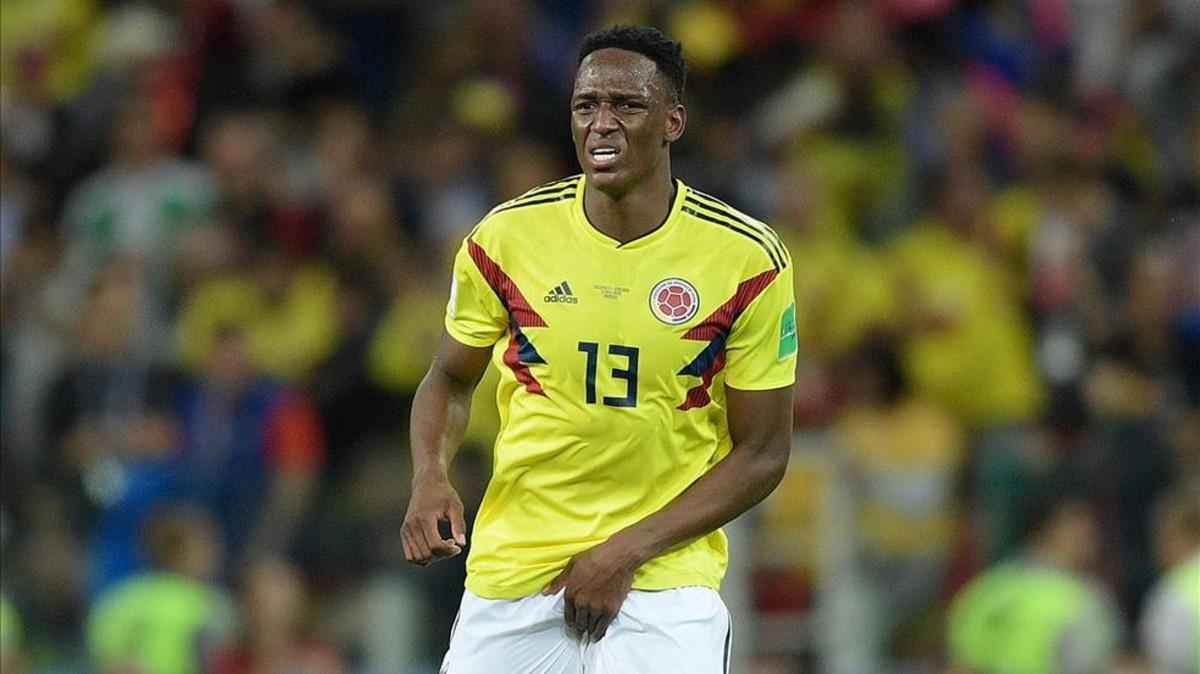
column 676, row 122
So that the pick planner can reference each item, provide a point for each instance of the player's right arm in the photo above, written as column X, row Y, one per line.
column 440, row 413
column 475, row 320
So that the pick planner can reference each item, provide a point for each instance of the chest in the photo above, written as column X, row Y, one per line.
column 624, row 311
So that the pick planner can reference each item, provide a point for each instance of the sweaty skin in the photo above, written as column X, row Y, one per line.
column 620, row 102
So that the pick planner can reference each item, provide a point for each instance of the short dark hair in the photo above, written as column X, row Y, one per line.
column 666, row 53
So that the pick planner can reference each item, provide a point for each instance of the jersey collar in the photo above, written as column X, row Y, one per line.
column 649, row 238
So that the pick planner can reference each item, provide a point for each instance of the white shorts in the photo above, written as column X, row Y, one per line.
column 681, row 631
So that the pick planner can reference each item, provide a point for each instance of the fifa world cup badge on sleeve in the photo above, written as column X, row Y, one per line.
column 787, row 332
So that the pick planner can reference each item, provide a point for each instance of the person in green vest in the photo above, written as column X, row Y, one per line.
column 171, row 619
column 1037, row 613
column 1170, row 622
column 10, row 637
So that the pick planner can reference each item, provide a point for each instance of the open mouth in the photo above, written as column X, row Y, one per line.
column 603, row 157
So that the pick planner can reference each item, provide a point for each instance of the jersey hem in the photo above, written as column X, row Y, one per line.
column 486, row 591
column 760, row 385
column 467, row 340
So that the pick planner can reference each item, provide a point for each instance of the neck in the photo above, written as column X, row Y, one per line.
column 1053, row 558
column 1181, row 555
column 634, row 213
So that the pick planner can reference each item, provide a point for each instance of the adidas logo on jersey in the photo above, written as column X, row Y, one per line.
column 561, row 294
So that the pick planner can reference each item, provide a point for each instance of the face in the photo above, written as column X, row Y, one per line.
column 200, row 553
column 110, row 323
column 622, row 119
column 230, row 366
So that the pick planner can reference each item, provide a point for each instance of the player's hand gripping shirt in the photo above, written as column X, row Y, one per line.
column 614, row 360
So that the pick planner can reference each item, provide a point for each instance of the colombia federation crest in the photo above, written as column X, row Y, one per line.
column 674, row 301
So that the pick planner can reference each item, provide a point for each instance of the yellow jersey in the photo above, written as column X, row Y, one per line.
column 614, row 359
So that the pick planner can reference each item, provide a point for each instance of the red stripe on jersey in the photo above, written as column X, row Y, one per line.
column 718, row 325
column 513, row 360
column 722, row 320
column 502, row 284
column 519, row 312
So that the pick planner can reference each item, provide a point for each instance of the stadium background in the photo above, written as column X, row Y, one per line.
column 993, row 209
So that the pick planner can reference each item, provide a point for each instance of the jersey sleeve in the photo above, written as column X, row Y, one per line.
column 474, row 315
column 761, row 350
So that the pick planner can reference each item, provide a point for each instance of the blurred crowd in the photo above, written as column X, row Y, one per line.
column 226, row 229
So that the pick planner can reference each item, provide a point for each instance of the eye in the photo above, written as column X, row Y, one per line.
column 633, row 105
column 584, row 106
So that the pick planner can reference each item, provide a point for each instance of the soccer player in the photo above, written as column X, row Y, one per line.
column 172, row 617
column 1038, row 613
column 646, row 336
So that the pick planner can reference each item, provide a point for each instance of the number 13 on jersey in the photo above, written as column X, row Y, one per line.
column 626, row 371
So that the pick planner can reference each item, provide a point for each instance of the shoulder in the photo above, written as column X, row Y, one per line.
column 735, row 230
column 1159, row 600
column 982, row 586
column 128, row 594
column 1176, row 591
column 186, row 170
column 545, row 199
column 98, row 189
column 1167, row 613
column 1186, row 575
column 187, row 593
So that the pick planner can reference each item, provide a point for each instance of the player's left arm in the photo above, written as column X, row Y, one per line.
column 761, row 369
column 760, row 425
